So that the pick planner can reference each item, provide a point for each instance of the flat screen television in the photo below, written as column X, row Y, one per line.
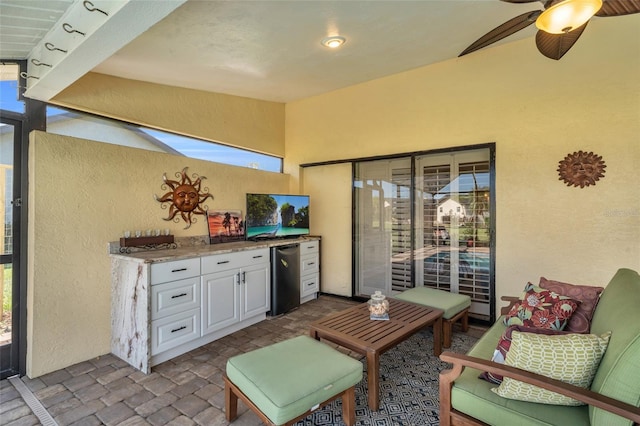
column 276, row 216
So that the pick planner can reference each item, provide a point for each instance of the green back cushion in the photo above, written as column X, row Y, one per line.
column 618, row 376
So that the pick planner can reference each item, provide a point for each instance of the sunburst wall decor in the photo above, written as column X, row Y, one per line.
column 185, row 197
column 581, row 169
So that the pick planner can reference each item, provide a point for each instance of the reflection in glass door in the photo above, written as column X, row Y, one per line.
column 383, row 206
column 453, row 237
column 425, row 220
column 8, row 276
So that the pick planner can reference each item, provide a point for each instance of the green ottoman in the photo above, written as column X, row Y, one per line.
column 284, row 382
column 455, row 307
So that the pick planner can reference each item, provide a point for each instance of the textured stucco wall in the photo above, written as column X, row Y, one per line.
column 82, row 195
column 536, row 111
column 249, row 123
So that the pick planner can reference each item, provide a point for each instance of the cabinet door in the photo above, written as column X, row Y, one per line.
column 220, row 300
column 256, row 290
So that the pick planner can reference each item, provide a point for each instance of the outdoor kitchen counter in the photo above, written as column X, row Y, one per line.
column 198, row 250
column 161, row 304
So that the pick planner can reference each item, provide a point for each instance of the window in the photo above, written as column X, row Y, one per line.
column 86, row 126
column 10, row 99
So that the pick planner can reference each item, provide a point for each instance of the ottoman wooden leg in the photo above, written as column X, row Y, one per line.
column 447, row 326
column 349, row 406
column 230, row 401
column 465, row 321
column 447, row 329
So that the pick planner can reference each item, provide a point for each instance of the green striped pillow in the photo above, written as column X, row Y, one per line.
column 571, row 358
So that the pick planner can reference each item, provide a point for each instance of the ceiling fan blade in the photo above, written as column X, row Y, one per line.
column 619, row 8
column 554, row 46
column 504, row 30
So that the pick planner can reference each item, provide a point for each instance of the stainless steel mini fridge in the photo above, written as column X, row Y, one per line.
column 285, row 278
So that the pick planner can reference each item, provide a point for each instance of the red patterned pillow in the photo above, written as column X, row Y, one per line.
column 580, row 321
column 500, row 354
column 541, row 308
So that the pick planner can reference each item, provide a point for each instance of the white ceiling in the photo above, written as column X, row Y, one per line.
column 260, row 49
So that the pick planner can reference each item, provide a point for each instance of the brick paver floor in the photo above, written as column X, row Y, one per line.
column 187, row 390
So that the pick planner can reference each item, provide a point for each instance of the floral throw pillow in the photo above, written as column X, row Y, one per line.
column 580, row 321
column 541, row 308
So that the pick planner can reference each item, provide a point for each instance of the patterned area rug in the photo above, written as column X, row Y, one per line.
column 408, row 386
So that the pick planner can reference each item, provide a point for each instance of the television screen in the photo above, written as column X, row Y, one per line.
column 276, row 216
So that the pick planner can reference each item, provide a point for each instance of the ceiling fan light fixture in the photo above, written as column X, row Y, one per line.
column 333, row 42
column 567, row 15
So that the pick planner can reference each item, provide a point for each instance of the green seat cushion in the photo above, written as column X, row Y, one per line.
column 450, row 303
column 473, row 396
column 618, row 375
column 286, row 379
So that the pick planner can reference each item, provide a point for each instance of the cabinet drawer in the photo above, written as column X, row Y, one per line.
column 163, row 272
column 174, row 330
column 175, row 297
column 309, row 285
column 223, row 262
column 309, row 264
column 309, row 247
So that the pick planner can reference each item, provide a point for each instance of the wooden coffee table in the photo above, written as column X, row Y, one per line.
column 353, row 329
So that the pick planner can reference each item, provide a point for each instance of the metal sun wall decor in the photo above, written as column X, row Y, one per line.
column 581, row 169
column 185, row 197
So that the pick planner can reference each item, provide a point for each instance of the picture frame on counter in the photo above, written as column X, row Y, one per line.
column 225, row 226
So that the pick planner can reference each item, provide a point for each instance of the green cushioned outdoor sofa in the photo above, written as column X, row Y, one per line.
column 614, row 396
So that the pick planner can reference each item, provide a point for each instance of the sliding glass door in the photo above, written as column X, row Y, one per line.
column 453, row 232
column 425, row 220
column 382, row 195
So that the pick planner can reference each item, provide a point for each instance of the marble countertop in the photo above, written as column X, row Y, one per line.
column 185, row 252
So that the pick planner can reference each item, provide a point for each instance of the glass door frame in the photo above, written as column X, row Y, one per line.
column 491, row 147
column 12, row 359
column 33, row 118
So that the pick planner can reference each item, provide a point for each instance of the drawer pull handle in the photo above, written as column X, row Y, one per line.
column 222, row 262
column 257, row 257
column 179, row 295
column 311, row 263
column 179, row 270
column 179, row 328
column 311, row 284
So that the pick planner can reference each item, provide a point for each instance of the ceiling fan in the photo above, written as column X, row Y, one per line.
column 560, row 23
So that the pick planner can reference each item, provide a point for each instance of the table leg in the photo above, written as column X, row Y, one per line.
column 437, row 337
column 373, row 373
column 314, row 334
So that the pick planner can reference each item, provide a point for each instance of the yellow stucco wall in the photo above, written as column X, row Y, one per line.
column 536, row 111
column 330, row 216
column 233, row 120
column 82, row 195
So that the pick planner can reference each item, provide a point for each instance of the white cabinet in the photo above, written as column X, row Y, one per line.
column 163, row 307
column 309, row 270
column 235, row 288
column 175, row 305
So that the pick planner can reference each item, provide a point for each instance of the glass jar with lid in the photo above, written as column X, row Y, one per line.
column 378, row 306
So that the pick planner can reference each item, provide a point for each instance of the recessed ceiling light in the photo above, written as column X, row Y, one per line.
column 333, row 42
